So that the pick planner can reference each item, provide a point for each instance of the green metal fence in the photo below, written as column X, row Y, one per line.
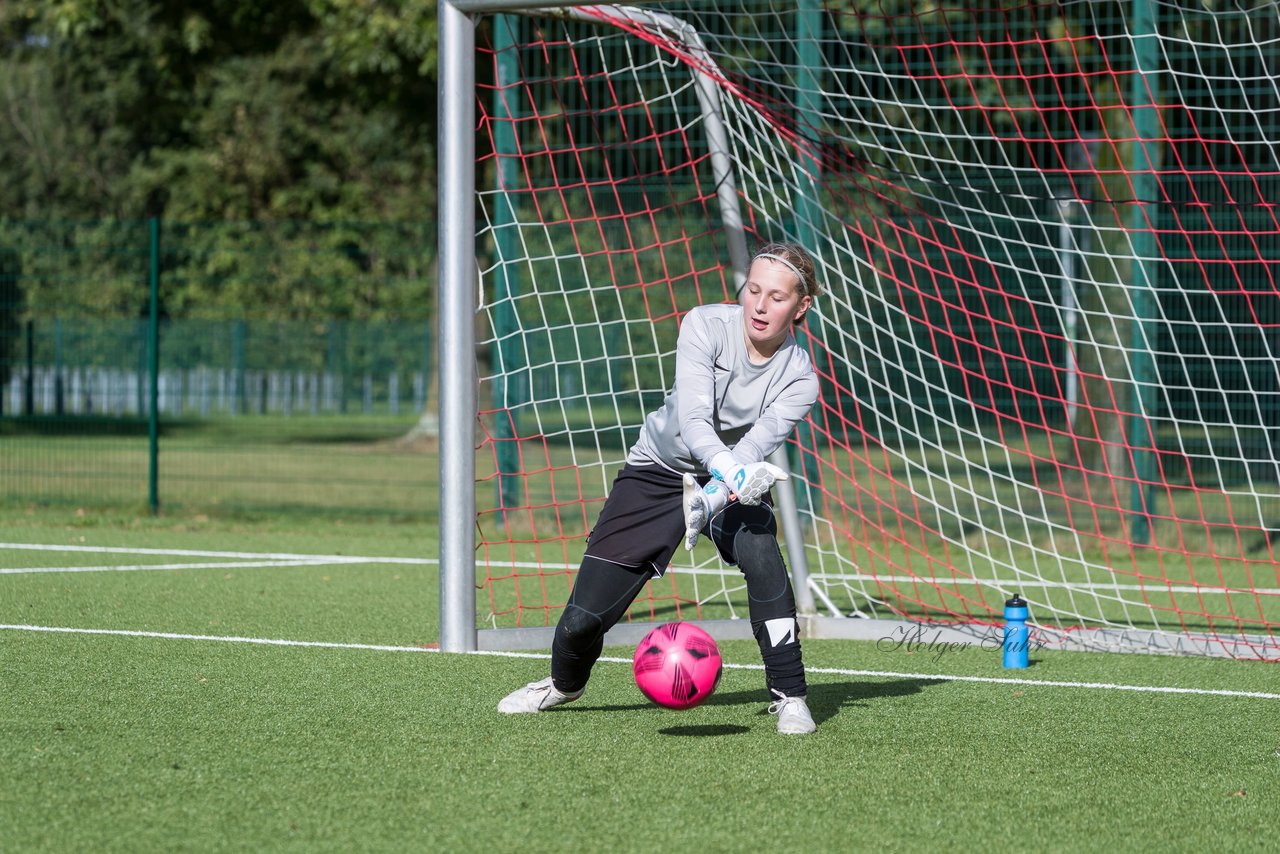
column 238, row 367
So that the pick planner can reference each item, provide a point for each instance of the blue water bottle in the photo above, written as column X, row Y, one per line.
column 1016, row 636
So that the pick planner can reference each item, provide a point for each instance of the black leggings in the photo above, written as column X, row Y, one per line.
column 605, row 589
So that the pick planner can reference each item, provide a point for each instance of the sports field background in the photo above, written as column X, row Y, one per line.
column 266, row 681
column 218, row 575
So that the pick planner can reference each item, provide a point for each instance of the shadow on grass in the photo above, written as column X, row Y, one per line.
column 828, row 698
column 825, row 699
column 699, row 730
column 75, row 426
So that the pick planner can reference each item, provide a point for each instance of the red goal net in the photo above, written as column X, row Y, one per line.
column 1048, row 349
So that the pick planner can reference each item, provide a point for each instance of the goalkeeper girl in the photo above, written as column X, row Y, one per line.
column 698, row 467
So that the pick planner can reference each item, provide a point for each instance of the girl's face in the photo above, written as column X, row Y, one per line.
column 771, row 303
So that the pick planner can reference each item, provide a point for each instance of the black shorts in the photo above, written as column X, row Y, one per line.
column 642, row 522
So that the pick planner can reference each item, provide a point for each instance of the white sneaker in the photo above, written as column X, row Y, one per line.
column 535, row 697
column 793, row 715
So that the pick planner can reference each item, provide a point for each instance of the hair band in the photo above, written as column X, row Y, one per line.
column 784, row 262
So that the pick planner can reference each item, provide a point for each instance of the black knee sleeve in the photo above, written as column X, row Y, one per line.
column 768, row 584
column 601, row 594
column 772, row 604
column 579, row 629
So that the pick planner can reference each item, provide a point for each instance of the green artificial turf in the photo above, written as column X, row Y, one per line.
column 186, row 736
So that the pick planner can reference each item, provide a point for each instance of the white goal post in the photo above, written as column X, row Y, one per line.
column 1046, row 349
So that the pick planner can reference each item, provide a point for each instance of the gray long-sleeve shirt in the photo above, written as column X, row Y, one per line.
column 721, row 400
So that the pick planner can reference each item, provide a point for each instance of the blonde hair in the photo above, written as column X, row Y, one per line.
column 798, row 259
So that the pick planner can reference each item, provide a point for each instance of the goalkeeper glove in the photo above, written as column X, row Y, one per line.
column 700, row 504
column 749, row 482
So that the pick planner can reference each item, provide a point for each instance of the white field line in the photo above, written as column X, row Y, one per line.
column 270, row 557
column 40, row 547
column 817, row 577
column 836, row 671
column 1153, row 586
column 142, row 567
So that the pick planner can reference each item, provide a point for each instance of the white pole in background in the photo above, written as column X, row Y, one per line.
column 1067, row 254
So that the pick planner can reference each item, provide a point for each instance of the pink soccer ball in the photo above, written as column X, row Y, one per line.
column 677, row 665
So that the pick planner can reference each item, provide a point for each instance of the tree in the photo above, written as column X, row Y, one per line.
column 214, row 116
column 236, row 109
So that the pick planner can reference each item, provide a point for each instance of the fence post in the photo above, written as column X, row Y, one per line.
column 59, row 389
column 239, row 395
column 29, row 382
column 337, row 363
column 1144, row 329
column 153, row 366
column 809, row 211
column 509, row 367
